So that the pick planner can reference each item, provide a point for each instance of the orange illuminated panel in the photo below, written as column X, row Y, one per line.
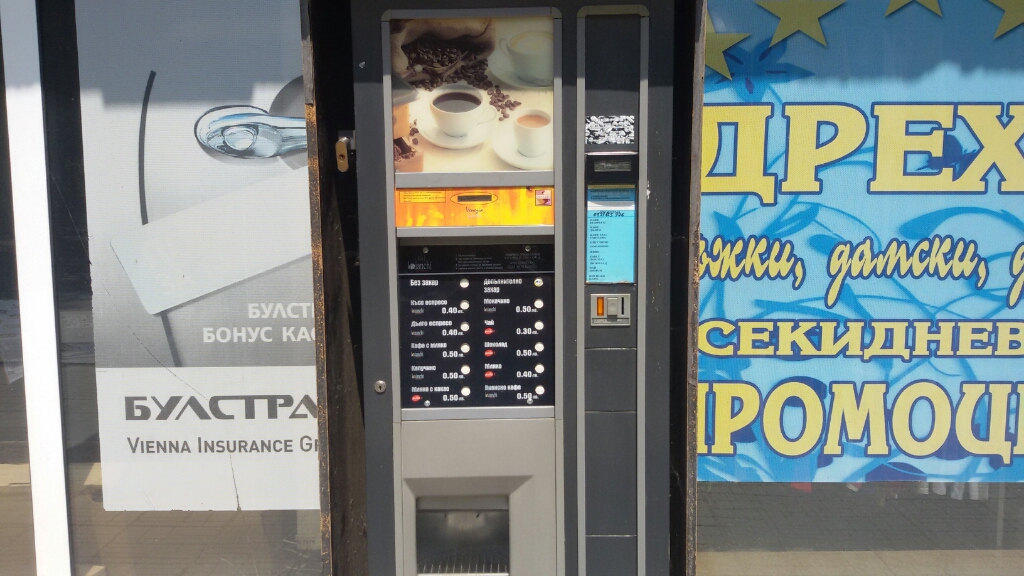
column 523, row 206
column 600, row 305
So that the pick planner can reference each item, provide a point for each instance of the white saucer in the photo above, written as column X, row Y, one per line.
column 504, row 143
column 434, row 135
column 505, row 76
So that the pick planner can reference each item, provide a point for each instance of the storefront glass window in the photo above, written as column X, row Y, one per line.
column 181, row 230
column 859, row 406
column 17, row 555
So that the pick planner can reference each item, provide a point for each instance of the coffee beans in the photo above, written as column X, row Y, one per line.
column 474, row 74
column 447, row 63
column 502, row 102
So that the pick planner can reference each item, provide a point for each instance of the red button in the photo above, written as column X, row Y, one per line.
column 488, row 374
column 488, row 331
column 415, row 397
column 489, row 353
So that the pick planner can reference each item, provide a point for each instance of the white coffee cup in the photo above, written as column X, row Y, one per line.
column 533, row 132
column 460, row 109
column 532, row 55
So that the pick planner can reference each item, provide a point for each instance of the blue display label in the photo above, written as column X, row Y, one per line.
column 611, row 235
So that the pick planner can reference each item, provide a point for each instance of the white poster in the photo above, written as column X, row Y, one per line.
column 194, row 136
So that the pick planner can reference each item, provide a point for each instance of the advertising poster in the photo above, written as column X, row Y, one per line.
column 473, row 94
column 862, row 242
column 199, row 241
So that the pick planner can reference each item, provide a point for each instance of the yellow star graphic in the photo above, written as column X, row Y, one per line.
column 799, row 16
column 715, row 45
column 1013, row 15
column 932, row 5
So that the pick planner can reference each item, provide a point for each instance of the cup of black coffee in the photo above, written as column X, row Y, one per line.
column 459, row 109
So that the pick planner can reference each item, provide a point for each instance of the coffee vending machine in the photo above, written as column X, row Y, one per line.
column 514, row 212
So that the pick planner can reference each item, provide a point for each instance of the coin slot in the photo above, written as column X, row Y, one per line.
column 475, row 198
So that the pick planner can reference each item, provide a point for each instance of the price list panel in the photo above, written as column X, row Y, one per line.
column 477, row 325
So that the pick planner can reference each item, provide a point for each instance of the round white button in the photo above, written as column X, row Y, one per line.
column 465, row 390
column 464, row 327
column 465, row 369
column 426, row 403
column 529, row 400
column 464, row 283
column 538, row 325
column 465, row 348
column 538, row 304
column 539, row 368
column 539, row 390
column 464, row 305
column 538, row 282
column 539, row 347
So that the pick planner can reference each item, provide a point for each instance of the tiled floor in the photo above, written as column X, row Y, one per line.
column 899, row 563
column 17, row 550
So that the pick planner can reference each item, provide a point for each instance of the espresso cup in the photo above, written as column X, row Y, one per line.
column 533, row 132
column 458, row 110
column 532, row 56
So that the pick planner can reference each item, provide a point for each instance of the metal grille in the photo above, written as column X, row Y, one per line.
column 469, row 560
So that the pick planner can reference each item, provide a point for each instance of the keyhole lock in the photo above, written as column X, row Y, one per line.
column 380, row 387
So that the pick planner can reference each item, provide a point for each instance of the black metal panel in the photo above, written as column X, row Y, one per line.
column 610, row 377
column 613, row 72
column 477, row 325
column 611, row 473
column 611, row 555
column 374, row 229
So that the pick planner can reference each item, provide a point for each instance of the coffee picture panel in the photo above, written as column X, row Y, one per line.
column 473, row 94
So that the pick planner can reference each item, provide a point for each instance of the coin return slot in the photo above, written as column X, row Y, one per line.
column 462, row 535
column 609, row 310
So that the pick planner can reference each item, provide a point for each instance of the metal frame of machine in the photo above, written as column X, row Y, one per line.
column 392, row 437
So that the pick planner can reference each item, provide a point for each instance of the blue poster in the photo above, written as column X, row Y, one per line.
column 862, row 242
column 611, row 234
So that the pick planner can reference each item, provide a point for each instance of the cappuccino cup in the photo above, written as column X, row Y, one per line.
column 532, row 55
column 458, row 110
column 533, row 132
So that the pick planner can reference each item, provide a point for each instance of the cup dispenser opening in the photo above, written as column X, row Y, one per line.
column 462, row 535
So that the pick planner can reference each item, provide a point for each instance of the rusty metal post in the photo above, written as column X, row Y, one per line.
column 340, row 416
column 693, row 297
